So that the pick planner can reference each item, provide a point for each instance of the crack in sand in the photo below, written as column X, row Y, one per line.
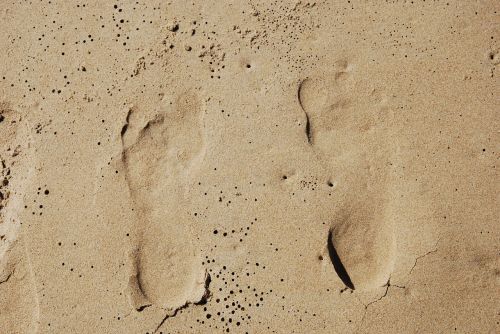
column 204, row 299
column 388, row 285
column 421, row 257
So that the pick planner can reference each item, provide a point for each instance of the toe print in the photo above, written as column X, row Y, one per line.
column 157, row 157
column 347, row 128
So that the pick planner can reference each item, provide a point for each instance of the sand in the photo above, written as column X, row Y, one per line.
column 249, row 166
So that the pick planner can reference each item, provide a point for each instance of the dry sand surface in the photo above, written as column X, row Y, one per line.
column 249, row 166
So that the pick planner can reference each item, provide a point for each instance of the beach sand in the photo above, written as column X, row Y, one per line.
column 249, row 166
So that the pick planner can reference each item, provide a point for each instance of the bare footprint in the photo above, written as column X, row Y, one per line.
column 19, row 303
column 18, row 297
column 346, row 125
column 15, row 170
column 159, row 156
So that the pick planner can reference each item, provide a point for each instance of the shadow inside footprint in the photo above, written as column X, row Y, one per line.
column 337, row 263
column 345, row 124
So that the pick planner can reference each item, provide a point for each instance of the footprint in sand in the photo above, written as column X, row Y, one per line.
column 159, row 157
column 347, row 126
column 15, row 170
column 17, row 286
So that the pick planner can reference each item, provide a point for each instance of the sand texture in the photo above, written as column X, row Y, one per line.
column 249, row 166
